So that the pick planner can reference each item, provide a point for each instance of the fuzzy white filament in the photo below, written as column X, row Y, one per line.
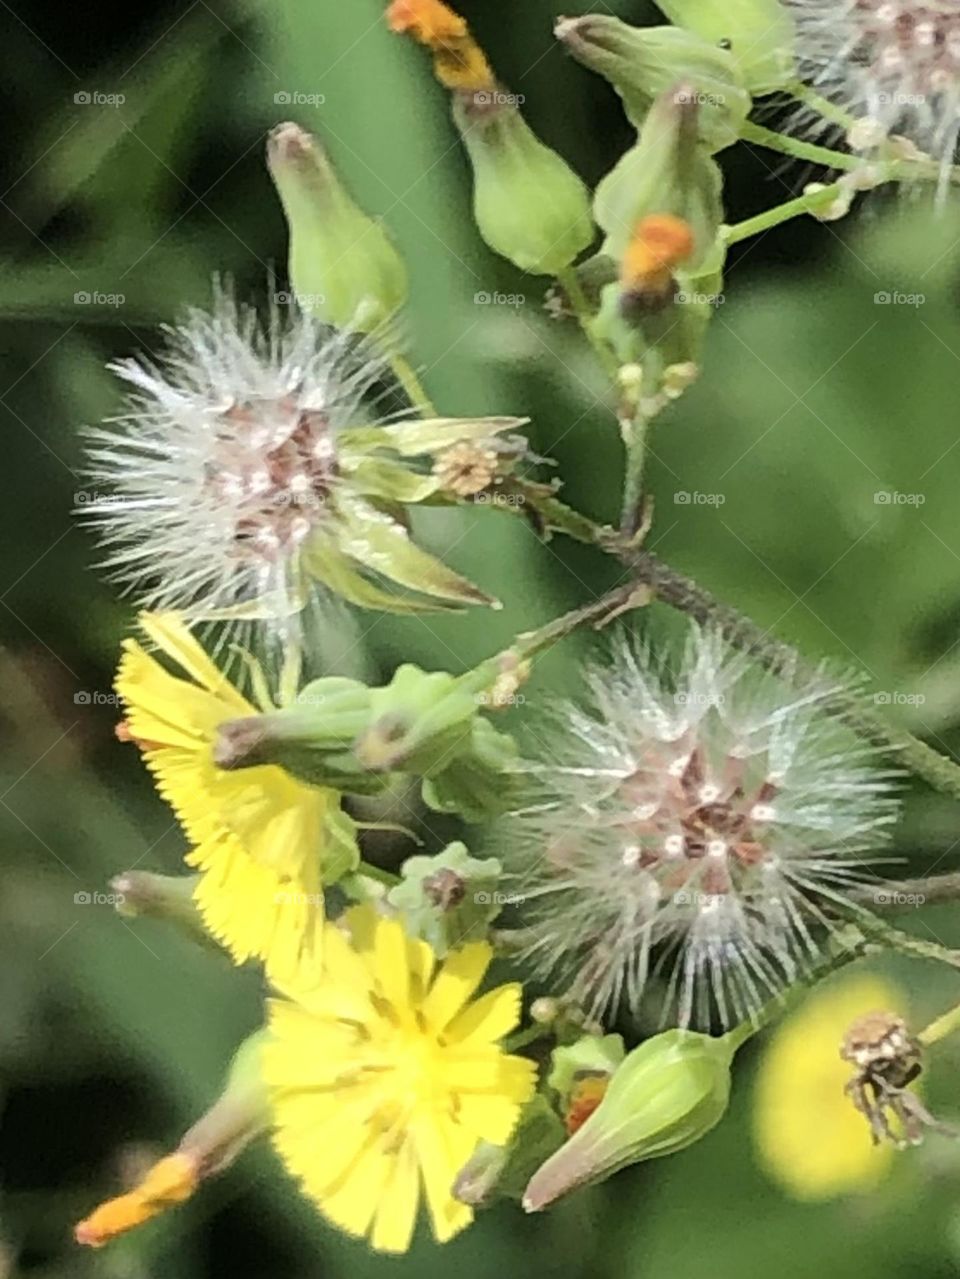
column 220, row 470
column 892, row 66
column 713, row 815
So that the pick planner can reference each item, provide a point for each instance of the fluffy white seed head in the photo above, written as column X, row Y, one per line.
column 709, row 816
column 217, row 475
column 891, row 65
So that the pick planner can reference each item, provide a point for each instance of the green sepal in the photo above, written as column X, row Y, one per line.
column 502, row 1172
column 449, row 898
column 759, row 32
column 592, row 1054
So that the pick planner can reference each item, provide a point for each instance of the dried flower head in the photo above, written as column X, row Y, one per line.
column 245, row 473
column 716, row 812
column 887, row 1058
column 893, row 66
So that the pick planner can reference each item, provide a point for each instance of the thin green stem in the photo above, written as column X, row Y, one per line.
column 797, row 149
column 811, row 203
column 582, row 309
column 386, row 877
column 941, row 1027
column 413, row 388
column 635, row 432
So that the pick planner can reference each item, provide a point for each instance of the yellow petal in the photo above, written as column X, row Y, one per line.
column 397, row 1209
column 390, row 963
column 461, row 974
column 442, row 1151
column 173, row 637
column 488, row 1019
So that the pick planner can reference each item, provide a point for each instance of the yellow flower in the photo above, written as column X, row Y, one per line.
column 383, row 1073
column 808, row 1135
column 259, row 837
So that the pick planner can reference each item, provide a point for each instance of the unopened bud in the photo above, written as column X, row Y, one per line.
column 529, row 205
column 343, row 267
column 665, row 1095
column 642, row 64
column 169, row 897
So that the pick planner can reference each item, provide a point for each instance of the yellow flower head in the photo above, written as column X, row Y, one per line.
column 258, row 836
column 458, row 61
column 383, row 1073
column 809, row 1136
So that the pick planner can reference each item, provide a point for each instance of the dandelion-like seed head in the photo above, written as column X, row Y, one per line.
column 715, row 813
column 221, row 469
column 893, row 65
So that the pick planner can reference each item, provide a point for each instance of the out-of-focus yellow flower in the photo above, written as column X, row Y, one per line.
column 260, row 838
column 808, row 1135
column 384, row 1073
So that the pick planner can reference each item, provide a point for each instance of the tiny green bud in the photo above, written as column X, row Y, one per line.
column 448, row 897
column 665, row 1095
column 529, row 205
column 141, row 894
column 758, row 34
column 642, row 64
column 343, row 267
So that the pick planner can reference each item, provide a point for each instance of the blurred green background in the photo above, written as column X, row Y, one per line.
column 815, row 399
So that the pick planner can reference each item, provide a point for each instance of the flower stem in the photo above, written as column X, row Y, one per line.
column 582, row 309
column 412, row 386
column 810, row 203
column 797, row 149
column 940, row 1027
column 635, row 432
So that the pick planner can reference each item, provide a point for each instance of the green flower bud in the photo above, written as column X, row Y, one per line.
column 758, row 33
column 642, row 64
column 449, row 897
column 529, row 205
column 342, row 734
column 141, row 894
column 666, row 1094
column 667, row 171
column 343, row 267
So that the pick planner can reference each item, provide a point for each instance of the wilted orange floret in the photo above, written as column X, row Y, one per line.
column 458, row 61
column 429, row 21
column 170, row 1182
column 660, row 243
column 587, row 1094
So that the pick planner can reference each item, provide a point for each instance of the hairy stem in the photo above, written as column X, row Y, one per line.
column 413, row 388
column 578, row 300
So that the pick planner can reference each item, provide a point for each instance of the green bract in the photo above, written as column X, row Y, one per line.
column 448, row 899
column 529, row 205
column 343, row 734
column 759, row 32
column 343, row 267
column 643, row 63
column 666, row 1094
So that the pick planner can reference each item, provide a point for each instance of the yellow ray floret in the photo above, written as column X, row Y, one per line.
column 458, row 61
column 258, row 835
column 384, row 1076
column 808, row 1135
